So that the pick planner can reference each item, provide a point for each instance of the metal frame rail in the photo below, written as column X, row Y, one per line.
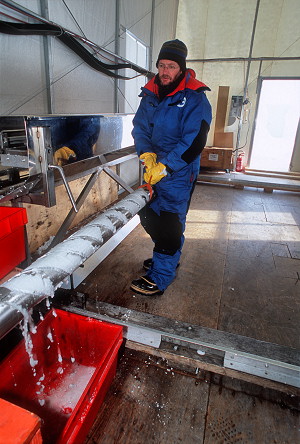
column 204, row 345
column 93, row 167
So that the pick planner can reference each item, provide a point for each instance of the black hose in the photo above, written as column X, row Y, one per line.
column 71, row 43
column 29, row 29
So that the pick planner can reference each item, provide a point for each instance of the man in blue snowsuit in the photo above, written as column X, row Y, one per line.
column 170, row 131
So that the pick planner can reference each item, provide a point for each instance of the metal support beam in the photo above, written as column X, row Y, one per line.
column 118, row 179
column 47, row 57
column 71, row 215
column 85, row 191
column 117, row 51
column 150, row 61
column 246, row 81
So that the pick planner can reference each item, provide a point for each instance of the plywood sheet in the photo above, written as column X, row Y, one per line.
column 151, row 402
column 231, row 276
column 260, row 296
column 236, row 417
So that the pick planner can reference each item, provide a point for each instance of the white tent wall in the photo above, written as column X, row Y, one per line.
column 214, row 29
column 136, row 17
column 21, row 69
column 22, row 87
column 165, row 25
column 75, row 86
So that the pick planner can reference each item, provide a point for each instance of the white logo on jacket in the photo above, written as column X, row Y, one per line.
column 180, row 105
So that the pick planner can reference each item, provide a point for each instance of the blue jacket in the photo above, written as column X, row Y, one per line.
column 170, row 128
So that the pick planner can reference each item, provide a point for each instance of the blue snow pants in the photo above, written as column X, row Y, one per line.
column 164, row 217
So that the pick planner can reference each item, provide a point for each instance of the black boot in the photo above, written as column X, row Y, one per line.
column 144, row 286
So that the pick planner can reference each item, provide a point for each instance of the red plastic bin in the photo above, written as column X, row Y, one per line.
column 18, row 426
column 77, row 359
column 12, row 240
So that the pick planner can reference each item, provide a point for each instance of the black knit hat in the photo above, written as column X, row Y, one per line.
column 173, row 50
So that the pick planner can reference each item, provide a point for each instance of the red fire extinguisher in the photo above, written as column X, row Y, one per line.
column 239, row 162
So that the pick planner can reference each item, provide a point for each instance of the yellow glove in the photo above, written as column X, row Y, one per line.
column 148, row 160
column 62, row 155
column 155, row 174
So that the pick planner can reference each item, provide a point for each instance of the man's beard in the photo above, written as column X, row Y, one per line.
column 164, row 90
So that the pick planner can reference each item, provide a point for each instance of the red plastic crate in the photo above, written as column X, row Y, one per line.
column 18, row 426
column 12, row 241
column 76, row 370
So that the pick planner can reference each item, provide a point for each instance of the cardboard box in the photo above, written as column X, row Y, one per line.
column 216, row 158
